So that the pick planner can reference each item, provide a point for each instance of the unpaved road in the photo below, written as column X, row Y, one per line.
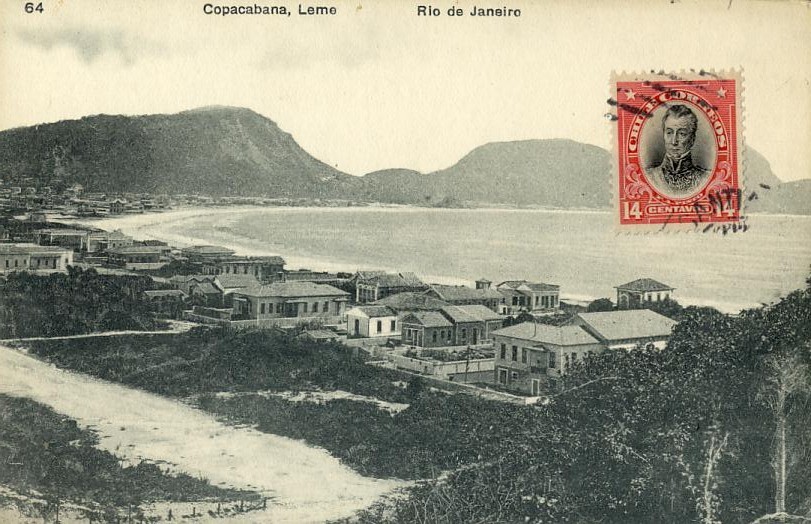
column 306, row 483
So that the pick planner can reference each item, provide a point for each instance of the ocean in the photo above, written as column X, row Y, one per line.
column 578, row 250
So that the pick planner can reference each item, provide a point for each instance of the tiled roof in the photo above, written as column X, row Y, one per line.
column 206, row 250
column 630, row 324
column 393, row 280
column 164, row 292
column 453, row 293
column 375, row 311
column 236, row 281
column 545, row 334
column 30, row 249
column 645, row 284
column 179, row 279
column 427, row 319
column 207, row 288
column 319, row 334
column 238, row 259
column 535, row 286
column 474, row 313
column 412, row 301
column 124, row 250
column 293, row 290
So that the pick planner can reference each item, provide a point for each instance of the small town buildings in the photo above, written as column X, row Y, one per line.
column 627, row 329
column 426, row 329
column 31, row 257
column 531, row 357
column 228, row 284
column 450, row 326
column 185, row 282
column 69, row 238
column 473, row 324
column 466, row 296
column 203, row 253
column 265, row 269
column 633, row 295
column 304, row 300
column 136, row 257
column 521, row 295
column 98, row 241
column 372, row 321
column 319, row 277
column 373, row 286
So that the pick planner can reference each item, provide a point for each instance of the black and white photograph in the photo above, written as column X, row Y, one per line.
column 357, row 262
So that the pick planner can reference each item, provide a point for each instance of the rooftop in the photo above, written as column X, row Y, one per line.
column 630, row 324
column 534, row 286
column 454, row 293
column 125, row 250
column 645, row 284
column 207, row 250
column 164, row 292
column 293, row 290
column 545, row 334
column 236, row 281
column 474, row 313
column 412, row 301
column 239, row 259
column 375, row 311
column 31, row 249
column 428, row 319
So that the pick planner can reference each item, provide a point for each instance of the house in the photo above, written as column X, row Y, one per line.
column 521, row 295
column 411, row 301
column 265, row 269
column 530, row 357
column 320, row 277
column 166, row 302
column 205, row 294
column 450, row 326
column 68, row 238
column 136, row 257
column 472, row 324
column 627, row 329
column 98, row 241
column 633, row 295
column 466, row 296
column 305, row 300
column 426, row 329
column 370, row 287
column 200, row 254
column 372, row 321
column 31, row 257
column 185, row 282
column 230, row 283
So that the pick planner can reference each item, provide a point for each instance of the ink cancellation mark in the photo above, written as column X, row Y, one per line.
column 678, row 150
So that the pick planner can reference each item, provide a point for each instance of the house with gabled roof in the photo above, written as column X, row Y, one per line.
column 472, row 324
column 372, row 321
column 627, row 329
column 522, row 295
column 199, row 254
column 305, row 300
column 426, row 329
column 634, row 294
column 412, row 301
column 531, row 357
column 373, row 286
column 466, row 296
column 265, row 269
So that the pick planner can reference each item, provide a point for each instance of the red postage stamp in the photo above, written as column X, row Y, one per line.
column 678, row 149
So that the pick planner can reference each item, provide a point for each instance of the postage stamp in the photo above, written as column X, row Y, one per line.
column 679, row 147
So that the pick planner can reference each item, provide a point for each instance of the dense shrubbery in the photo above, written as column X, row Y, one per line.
column 43, row 451
column 219, row 360
column 73, row 303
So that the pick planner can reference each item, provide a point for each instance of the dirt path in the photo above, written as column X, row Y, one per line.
column 307, row 483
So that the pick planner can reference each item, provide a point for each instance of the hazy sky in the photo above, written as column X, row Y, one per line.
column 377, row 86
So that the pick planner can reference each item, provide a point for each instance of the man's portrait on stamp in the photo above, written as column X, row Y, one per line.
column 677, row 150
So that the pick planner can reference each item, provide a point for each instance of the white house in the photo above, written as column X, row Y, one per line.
column 372, row 321
column 627, row 329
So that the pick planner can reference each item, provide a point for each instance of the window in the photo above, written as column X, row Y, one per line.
column 552, row 360
column 464, row 334
column 278, row 307
column 227, row 269
column 504, row 352
column 514, row 375
column 433, row 336
column 515, row 301
column 326, row 306
column 502, row 376
column 393, row 326
column 379, row 326
column 566, row 359
column 574, row 358
column 262, row 308
column 315, row 307
column 305, row 307
column 524, row 355
column 515, row 353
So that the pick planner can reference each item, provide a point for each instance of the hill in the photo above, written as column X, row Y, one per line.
column 214, row 151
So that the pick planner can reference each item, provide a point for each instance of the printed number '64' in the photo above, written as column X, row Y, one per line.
column 30, row 7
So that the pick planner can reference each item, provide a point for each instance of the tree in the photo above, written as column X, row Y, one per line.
column 601, row 304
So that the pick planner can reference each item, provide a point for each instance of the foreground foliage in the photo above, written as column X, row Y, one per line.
column 47, row 453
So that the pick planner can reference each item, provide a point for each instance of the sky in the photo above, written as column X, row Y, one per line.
column 377, row 86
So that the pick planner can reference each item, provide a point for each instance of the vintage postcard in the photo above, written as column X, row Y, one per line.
column 339, row 261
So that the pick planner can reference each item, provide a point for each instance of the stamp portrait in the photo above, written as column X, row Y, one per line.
column 678, row 149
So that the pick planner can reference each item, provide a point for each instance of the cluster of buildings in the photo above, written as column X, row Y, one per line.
column 523, row 339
